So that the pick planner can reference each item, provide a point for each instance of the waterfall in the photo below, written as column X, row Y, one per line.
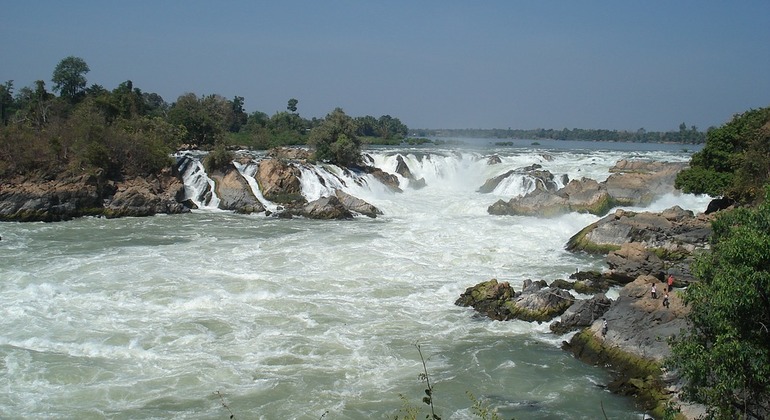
column 199, row 188
column 248, row 171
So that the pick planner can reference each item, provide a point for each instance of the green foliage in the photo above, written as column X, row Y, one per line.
column 218, row 158
column 335, row 139
column 735, row 162
column 69, row 78
column 725, row 357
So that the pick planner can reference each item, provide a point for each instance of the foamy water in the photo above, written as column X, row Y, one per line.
column 151, row 317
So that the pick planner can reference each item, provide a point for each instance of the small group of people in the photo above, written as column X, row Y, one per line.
column 669, row 288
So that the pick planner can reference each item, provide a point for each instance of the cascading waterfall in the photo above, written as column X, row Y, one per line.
column 248, row 171
column 199, row 188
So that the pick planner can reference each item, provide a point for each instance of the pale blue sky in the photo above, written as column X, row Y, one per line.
column 433, row 64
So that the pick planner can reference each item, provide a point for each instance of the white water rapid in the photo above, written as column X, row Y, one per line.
column 174, row 316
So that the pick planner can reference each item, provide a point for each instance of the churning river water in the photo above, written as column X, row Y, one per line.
column 178, row 316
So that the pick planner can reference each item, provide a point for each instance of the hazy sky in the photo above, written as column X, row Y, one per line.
column 433, row 64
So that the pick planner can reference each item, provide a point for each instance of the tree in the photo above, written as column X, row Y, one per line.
column 725, row 357
column 6, row 101
column 335, row 139
column 735, row 162
column 69, row 77
column 292, row 105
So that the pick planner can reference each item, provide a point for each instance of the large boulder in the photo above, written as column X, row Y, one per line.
column 534, row 177
column 356, row 204
column 585, row 195
column 279, row 182
column 234, row 191
column 536, row 302
column 633, row 260
column 324, row 208
column 539, row 202
column 146, row 196
column 487, row 298
column 540, row 305
column 582, row 314
column 639, row 182
column 403, row 169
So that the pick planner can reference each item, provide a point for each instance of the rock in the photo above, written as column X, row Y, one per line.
column 279, row 182
column 487, row 298
column 234, row 191
column 587, row 196
column 324, row 208
column 632, row 183
column 541, row 305
column 582, row 314
column 638, row 182
column 289, row 153
column 669, row 242
column 633, row 260
column 494, row 160
column 536, row 302
column 534, row 174
column 562, row 284
column 403, row 169
column 146, row 197
column 65, row 198
column 636, row 342
column 356, row 204
column 389, row 180
column 539, row 203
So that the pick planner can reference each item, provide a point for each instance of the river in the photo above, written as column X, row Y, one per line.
column 201, row 315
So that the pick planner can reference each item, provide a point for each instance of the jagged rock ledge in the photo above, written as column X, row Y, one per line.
column 632, row 183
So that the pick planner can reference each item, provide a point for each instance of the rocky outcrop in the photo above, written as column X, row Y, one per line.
column 632, row 183
column 647, row 243
column 234, row 192
column 536, row 302
column 582, row 314
column 323, row 208
column 289, row 153
column 279, row 182
column 636, row 342
column 389, row 180
column 403, row 169
column 638, row 182
column 146, row 197
column 66, row 198
column 534, row 175
column 355, row 204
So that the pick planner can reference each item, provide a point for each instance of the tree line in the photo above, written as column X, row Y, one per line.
column 126, row 131
column 685, row 135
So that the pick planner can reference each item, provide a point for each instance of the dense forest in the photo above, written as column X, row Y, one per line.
column 684, row 135
column 128, row 132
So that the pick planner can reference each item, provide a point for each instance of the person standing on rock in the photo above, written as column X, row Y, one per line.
column 665, row 301
column 654, row 292
column 670, row 282
column 605, row 327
